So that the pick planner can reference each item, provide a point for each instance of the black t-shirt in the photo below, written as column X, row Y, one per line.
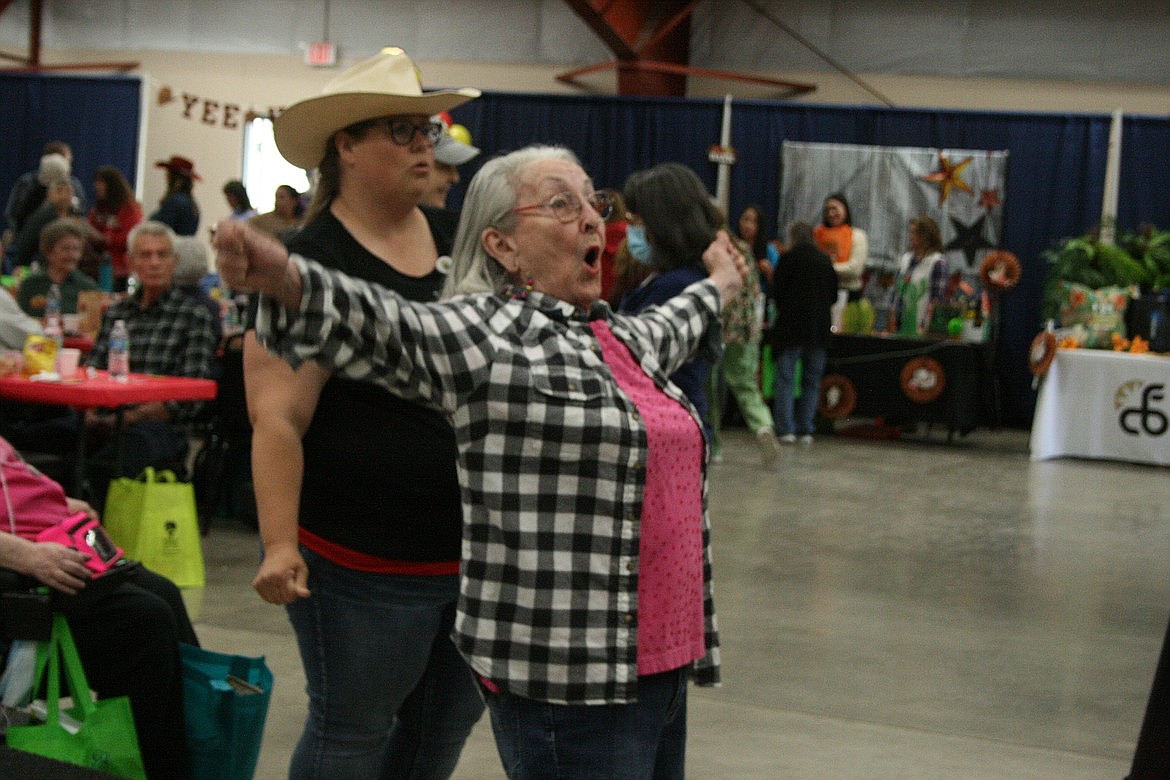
column 379, row 471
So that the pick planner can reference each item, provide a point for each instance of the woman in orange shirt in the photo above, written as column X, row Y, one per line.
column 846, row 246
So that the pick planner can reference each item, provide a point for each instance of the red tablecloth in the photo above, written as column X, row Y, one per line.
column 100, row 390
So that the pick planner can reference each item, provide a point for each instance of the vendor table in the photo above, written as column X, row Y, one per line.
column 97, row 389
column 873, row 363
column 1101, row 404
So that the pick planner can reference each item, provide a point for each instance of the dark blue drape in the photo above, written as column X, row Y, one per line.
column 1056, row 169
column 98, row 116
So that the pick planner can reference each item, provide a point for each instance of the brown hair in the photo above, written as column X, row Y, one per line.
column 928, row 229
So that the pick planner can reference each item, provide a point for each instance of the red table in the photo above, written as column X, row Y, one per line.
column 98, row 390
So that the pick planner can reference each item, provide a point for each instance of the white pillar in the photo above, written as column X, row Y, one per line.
column 1112, row 177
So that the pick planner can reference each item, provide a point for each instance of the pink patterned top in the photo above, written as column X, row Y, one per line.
column 670, row 550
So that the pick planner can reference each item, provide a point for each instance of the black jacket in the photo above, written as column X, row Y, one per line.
column 804, row 287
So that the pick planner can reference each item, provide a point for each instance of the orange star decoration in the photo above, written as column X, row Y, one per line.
column 948, row 178
column 990, row 199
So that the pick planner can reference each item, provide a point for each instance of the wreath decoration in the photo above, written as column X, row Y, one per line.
column 1000, row 270
column 923, row 380
column 838, row 396
column 1041, row 353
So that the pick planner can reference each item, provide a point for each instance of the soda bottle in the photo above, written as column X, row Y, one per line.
column 119, row 354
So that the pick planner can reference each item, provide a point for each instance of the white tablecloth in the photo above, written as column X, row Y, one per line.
column 1102, row 404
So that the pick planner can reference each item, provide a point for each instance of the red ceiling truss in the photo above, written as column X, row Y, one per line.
column 650, row 40
column 31, row 62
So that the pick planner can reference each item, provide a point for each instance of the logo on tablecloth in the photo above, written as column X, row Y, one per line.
column 1136, row 403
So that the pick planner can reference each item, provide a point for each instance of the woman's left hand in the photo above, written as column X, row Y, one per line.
column 725, row 265
column 77, row 505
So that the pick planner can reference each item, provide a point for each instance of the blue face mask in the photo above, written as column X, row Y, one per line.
column 637, row 244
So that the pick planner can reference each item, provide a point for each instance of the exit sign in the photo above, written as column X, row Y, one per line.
column 322, row 54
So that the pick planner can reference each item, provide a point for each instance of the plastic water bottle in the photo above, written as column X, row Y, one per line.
column 119, row 354
column 53, row 326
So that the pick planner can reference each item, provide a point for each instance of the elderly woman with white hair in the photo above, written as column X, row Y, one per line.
column 585, row 589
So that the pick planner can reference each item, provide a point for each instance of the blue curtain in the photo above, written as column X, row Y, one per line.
column 1145, row 172
column 98, row 116
column 1056, row 169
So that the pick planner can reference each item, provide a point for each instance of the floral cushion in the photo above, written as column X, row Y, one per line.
column 1101, row 312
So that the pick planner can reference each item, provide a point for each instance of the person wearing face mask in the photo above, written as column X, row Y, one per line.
column 356, row 489
column 586, row 598
column 672, row 220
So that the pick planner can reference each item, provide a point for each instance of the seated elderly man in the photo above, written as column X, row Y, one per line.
column 170, row 334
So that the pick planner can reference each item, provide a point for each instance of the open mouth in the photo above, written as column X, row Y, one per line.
column 593, row 257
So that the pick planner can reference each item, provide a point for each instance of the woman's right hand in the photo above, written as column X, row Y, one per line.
column 725, row 265
column 284, row 576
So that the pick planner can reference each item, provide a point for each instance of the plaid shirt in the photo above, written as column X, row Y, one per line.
column 173, row 336
column 551, row 457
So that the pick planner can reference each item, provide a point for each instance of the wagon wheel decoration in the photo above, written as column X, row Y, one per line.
column 1041, row 353
column 1000, row 270
column 923, row 380
column 838, row 396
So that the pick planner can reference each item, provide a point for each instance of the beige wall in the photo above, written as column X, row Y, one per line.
column 260, row 82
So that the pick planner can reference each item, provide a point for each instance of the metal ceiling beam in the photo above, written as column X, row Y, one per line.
column 650, row 41
column 31, row 62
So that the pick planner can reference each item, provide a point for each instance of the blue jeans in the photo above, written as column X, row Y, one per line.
column 796, row 416
column 643, row 740
column 389, row 695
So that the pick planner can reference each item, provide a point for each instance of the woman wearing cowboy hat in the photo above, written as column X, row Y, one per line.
column 178, row 207
column 359, row 507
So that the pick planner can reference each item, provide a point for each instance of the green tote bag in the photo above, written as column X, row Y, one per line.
column 96, row 734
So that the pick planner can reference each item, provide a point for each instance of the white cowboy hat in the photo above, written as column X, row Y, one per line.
column 383, row 85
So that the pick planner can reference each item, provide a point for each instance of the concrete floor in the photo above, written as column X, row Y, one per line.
column 889, row 609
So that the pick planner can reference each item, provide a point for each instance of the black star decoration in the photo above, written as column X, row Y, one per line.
column 969, row 239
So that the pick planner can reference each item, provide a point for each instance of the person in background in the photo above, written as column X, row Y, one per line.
column 178, row 208
column 923, row 267
column 127, row 638
column 62, row 243
column 238, row 201
column 737, row 370
column 586, row 598
column 450, row 153
column 356, row 488
column 804, row 288
column 671, row 223
column 749, row 229
column 30, row 189
column 115, row 211
column 192, row 263
column 286, row 217
column 58, row 204
column 615, row 235
column 847, row 246
column 15, row 325
column 170, row 335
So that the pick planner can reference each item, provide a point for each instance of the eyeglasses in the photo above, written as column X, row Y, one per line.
column 402, row 131
column 567, row 207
